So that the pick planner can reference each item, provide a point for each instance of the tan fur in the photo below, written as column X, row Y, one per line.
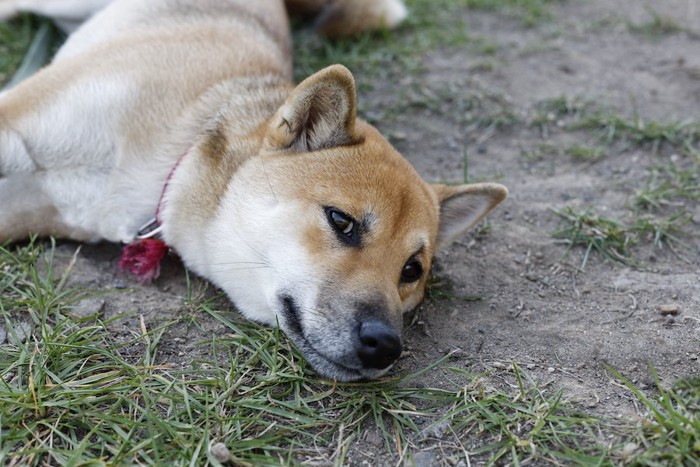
column 358, row 179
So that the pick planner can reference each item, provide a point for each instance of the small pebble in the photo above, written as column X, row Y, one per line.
column 424, row 458
column 668, row 309
column 436, row 431
column 373, row 438
column 220, row 452
column 551, row 370
column 89, row 307
column 458, row 353
column 628, row 450
column 530, row 366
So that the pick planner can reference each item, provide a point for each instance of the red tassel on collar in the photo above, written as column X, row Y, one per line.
column 142, row 258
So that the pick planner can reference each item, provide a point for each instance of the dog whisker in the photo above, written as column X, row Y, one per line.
column 267, row 177
column 248, row 268
column 229, row 263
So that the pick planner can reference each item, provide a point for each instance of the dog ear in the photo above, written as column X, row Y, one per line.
column 319, row 114
column 462, row 206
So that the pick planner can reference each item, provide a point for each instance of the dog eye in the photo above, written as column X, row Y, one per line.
column 412, row 271
column 344, row 225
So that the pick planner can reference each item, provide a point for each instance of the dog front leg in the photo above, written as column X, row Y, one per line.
column 27, row 200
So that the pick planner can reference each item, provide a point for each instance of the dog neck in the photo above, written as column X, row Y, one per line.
column 228, row 125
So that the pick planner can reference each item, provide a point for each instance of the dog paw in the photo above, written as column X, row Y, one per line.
column 344, row 18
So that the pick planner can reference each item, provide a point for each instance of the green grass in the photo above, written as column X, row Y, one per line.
column 611, row 127
column 587, row 153
column 15, row 37
column 552, row 113
column 431, row 24
column 669, row 187
column 658, row 26
column 662, row 231
column 73, row 392
column 580, row 152
column 574, row 114
column 531, row 12
column 660, row 212
column 439, row 288
column 539, row 152
column 613, row 239
column 606, row 236
column 529, row 427
column 670, row 434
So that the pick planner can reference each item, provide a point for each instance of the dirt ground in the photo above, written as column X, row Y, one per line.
column 536, row 307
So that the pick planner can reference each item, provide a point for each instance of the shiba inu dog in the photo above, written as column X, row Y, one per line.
column 278, row 194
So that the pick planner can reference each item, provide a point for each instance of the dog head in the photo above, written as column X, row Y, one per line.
column 330, row 232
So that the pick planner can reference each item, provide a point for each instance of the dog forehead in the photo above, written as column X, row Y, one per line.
column 373, row 184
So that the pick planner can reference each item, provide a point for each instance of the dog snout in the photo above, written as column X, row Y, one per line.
column 379, row 345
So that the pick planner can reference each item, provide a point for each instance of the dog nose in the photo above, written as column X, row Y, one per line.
column 380, row 346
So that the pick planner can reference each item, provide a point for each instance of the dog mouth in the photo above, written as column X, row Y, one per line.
column 324, row 364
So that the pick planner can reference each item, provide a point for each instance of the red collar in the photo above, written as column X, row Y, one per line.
column 142, row 257
column 154, row 226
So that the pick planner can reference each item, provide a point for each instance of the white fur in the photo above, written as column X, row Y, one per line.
column 393, row 12
column 247, row 249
